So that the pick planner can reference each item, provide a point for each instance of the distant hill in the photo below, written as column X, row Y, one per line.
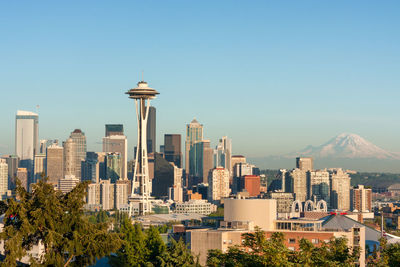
column 348, row 151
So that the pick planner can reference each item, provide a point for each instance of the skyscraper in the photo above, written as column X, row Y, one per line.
column 361, row 199
column 22, row 176
column 172, row 149
column 69, row 157
column 142, row 95
column 114, row 129
column 3, row 178
column 54, row 164
column 93, row 168
column 340, row 189
column 113, row 166
column 318, row 185
column 26, row 135
column 223, row 154
column 218, row 184
column 12, row 162
column 305, row 164
column 79, row 138
column 39, row 167
column 151, row 130
column 194, row 134
column 116, row 142
column 296, row 182
column 201, row 162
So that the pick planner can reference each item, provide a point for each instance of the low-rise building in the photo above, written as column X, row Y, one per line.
column 195, row 206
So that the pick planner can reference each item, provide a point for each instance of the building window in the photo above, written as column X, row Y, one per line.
column 291, row 248
column 315, row 240
column 292, row 240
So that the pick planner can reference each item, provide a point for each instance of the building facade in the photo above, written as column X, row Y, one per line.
column 26, row 135
column 151, row 130
column 54, row 164
column 305, row 164
column 296, row 183
column 340, row 189
column 194, row 134
column 361, row 199
column 117, row 144
column 3, row 178
column 218, row 184
column 79, row 138
column 172, row 149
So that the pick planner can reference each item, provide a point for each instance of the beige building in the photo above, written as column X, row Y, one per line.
column 296, row 182
column 3, row 178
column 79, row 138
column 175, row 192
column 121, row 193
column 93, row 196
column 340, row 189
column 361, row 199
column 218, row 184
column 304, row 164
column 243, row 215
column 55, row 164
column 68, row 183
column 69, row 157
column 195, row 206
column 39, row 167
column 107, row 194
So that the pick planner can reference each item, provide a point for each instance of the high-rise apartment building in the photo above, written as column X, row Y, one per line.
column 151, row 130
column 54, row 164
column 39, row 167
column 340, row 189
column 223, row 154
column 296, row 182
column 172, row 149
column 79, row 138
column 107, row 194
column 113, row 166
column 318, row 185
column 117, row 144
column 69, row 157
column 114, row 129
column 26, row 135
column 361, row 199
column 218, row 184
column 12, row 162
column 304, row 164
column 3, row 178
column 194, row 134
column 121, row 193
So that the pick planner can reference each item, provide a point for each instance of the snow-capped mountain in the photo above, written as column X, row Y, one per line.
column 351, row 146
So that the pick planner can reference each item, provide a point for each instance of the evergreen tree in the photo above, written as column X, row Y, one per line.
column 179, row 255
column 56, row 221
column 155, row 246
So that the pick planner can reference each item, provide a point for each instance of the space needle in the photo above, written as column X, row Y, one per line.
column 140, row 195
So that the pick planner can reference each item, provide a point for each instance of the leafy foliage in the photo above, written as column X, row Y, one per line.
column 257, row 250
column 146, row 248
column 57, row 221
column 385, row 255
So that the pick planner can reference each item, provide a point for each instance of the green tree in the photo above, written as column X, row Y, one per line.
column 133, row 252
column 155, row 246
column 58, row 222
column 179, row 255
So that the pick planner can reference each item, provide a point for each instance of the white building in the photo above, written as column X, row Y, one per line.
column 218, row 184
column 3, row 178
column 195, row 206
column 68, row 183
column 26, row 135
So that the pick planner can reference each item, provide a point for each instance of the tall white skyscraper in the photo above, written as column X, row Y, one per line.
column 223, row 154
column 26, row 135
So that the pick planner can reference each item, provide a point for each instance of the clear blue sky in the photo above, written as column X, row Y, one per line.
column 274, row 76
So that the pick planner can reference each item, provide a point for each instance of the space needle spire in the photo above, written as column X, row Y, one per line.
column 140, row 195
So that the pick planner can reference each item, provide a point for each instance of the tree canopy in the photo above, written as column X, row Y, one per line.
column 257, row 250
column 56, row 221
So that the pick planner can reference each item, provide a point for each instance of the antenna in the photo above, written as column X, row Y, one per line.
column 37, row 109
column 142, row 75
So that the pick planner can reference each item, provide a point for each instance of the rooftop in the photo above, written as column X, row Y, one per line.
column 26, row 113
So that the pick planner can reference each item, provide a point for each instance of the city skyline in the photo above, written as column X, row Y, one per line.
column 339, row 77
